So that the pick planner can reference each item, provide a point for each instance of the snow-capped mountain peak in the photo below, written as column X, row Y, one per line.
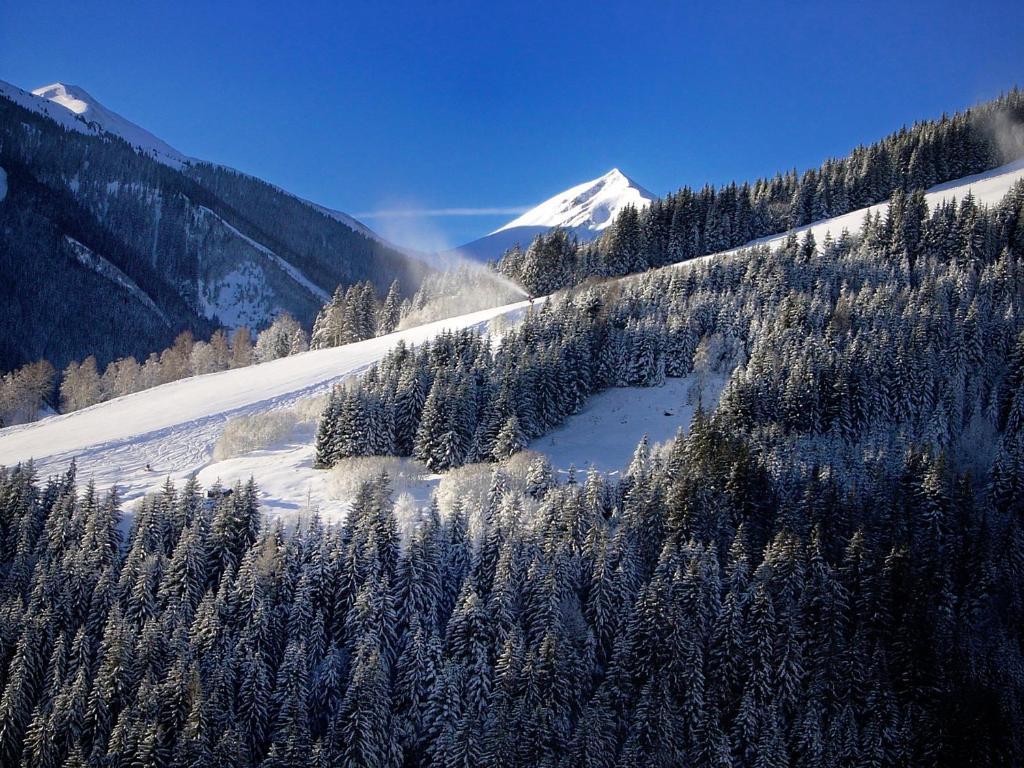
column 585, row 210
column 592, row 205
column 68, row 96
column 79, row 103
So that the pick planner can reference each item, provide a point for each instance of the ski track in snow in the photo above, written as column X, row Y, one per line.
column 174, row 427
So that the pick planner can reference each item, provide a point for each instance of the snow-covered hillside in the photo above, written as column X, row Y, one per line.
column 174, row 427
column 56, row 112
column 586, row 210
column 602, row 436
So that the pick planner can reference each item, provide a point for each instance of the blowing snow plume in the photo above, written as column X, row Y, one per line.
column 461, row 284
column 1008, row 135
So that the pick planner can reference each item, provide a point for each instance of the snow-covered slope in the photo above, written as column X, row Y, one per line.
column 74, row 108
column 987, row 188
column 605, row 433
column 56, row 112
column 174, row 427
column 586, row 210
column 591, row 205
column 87, row 109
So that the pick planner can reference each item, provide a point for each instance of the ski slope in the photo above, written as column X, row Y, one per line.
column 174, row 427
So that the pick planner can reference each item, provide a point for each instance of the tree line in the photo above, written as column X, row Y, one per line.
column 352, row 315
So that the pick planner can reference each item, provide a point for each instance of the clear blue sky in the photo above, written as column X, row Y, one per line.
column 369, row 106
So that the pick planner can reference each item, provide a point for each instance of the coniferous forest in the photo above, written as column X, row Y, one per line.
column 824, row 570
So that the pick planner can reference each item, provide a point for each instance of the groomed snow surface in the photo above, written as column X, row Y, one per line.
column 174, row 427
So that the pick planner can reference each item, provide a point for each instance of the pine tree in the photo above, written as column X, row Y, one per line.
column 510, row 439
column 388, row 317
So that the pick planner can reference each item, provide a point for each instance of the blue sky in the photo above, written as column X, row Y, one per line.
column 373, row 106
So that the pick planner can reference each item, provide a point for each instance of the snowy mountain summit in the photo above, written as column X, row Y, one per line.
column 87, row 109
column 586, row 210
column 592, row 205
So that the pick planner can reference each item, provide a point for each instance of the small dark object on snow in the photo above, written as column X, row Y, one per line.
column 219, row 493
column 669, row 413
column 149, row 468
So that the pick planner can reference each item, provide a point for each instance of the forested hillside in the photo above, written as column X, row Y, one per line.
column 826, row 570
column 859, row 336
column 106, row 251
column 692, row 223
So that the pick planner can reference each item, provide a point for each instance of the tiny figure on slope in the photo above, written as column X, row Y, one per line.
column 149, row 468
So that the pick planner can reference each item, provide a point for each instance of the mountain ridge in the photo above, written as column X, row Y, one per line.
column 92, row 113
column 77, row 171
column 89, row 110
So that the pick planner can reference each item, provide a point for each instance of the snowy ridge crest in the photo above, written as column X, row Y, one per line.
column 87, row 109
